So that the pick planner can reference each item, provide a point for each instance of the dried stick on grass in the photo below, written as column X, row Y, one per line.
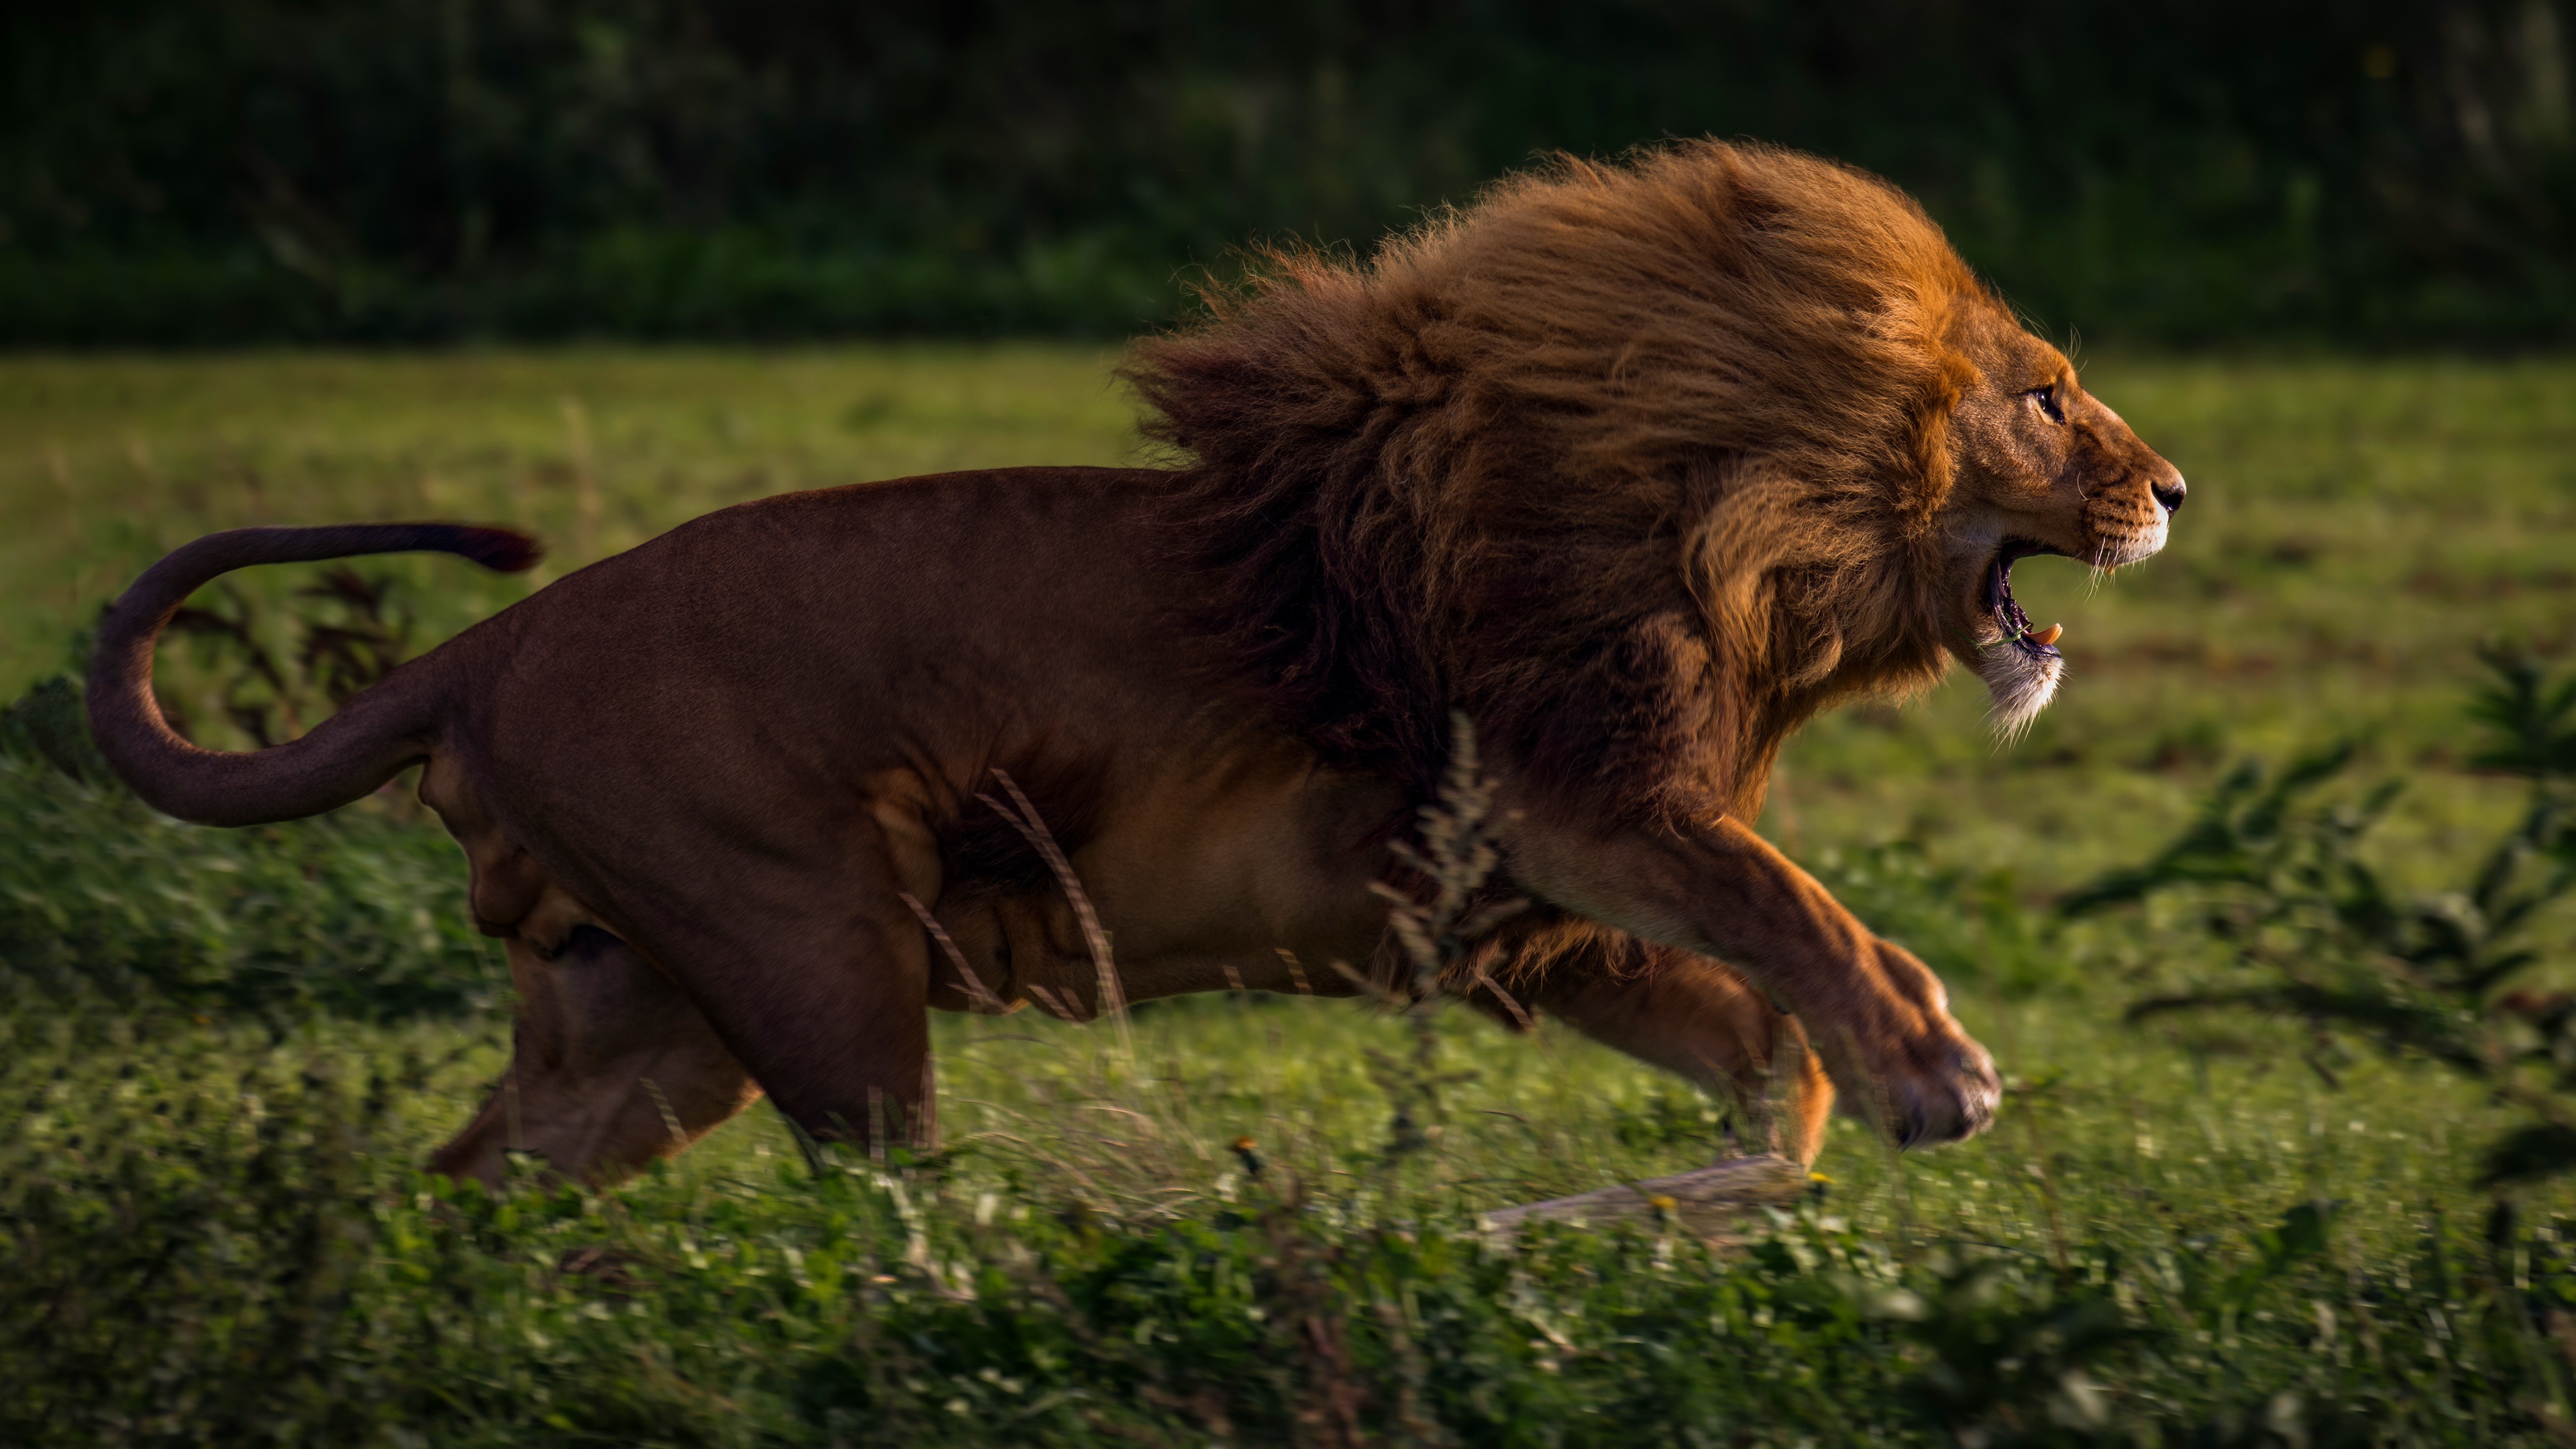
column 1708, row 1203
column 1025, row 819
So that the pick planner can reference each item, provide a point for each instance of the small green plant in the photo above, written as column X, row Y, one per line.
column 350, row 634
column 2274, row 875
column 1437, row 915
column 46, row 723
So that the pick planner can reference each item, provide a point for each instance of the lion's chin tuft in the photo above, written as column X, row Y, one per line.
column 2021, row 665
column 2022, row 682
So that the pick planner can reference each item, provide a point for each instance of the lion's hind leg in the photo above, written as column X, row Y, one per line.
column 612, row 1066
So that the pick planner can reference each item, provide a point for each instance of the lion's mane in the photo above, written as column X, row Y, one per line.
column 1636, row 463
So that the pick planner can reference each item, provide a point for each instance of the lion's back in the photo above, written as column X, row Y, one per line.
column 819, row 635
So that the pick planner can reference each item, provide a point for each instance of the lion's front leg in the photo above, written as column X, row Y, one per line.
column 1878, row 1016
column 1698, row 1019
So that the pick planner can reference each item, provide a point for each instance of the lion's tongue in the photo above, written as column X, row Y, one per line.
column 2045, row 637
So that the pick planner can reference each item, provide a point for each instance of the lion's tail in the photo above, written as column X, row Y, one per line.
column 375, row 735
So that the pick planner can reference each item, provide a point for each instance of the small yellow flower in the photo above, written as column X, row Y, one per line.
column 1661, row 1203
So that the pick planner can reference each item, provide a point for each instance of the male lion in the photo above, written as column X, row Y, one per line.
column 1637, row 466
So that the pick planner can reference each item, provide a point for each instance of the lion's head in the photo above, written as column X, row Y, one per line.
column 1641, row 465
column 2042, row 467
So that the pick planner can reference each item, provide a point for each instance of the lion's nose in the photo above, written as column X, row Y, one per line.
column 2170, row 494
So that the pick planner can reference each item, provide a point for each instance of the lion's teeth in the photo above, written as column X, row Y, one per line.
column 2047, row 636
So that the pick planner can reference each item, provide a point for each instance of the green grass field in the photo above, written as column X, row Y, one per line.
column 225, row 1052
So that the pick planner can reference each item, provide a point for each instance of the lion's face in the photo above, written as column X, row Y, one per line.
column 2042, row 467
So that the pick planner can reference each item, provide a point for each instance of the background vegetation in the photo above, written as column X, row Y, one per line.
column 237, row 170
column 223, row 1053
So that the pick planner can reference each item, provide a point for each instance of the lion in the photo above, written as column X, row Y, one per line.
column 1636, row 466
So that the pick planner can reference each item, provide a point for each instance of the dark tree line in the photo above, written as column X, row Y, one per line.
column 220, row 170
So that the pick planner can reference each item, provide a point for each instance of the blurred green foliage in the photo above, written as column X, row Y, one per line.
column 227, row 170
column 1971, row 927
column 360, row 913
column 212, row 1236
column 2302, row 925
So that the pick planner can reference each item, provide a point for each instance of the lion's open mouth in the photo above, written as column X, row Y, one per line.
column 2009, row 619
column 2022, row 668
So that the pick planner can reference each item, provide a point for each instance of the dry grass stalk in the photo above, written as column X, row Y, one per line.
column 1456, row 858
column 1025, row 819
column 585, row 479
column 1454, row 862
column 976, row 991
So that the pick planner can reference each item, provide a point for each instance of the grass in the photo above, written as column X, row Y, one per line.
column 215, row 1234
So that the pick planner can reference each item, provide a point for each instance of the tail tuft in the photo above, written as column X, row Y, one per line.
column 502, row 550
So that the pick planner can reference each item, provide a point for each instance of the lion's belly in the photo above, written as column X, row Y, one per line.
column 1237, row 866
column 1007, row 952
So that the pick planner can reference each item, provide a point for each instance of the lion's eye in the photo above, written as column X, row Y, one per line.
column 2046, row 397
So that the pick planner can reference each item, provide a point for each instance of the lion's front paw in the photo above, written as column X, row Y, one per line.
column 1950, row 1105
column 1904, row 1064
column 1931, row 1091
column 1945, row 1091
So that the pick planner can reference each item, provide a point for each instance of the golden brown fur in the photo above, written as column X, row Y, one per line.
column 1638, row 466
column 1686, row 422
